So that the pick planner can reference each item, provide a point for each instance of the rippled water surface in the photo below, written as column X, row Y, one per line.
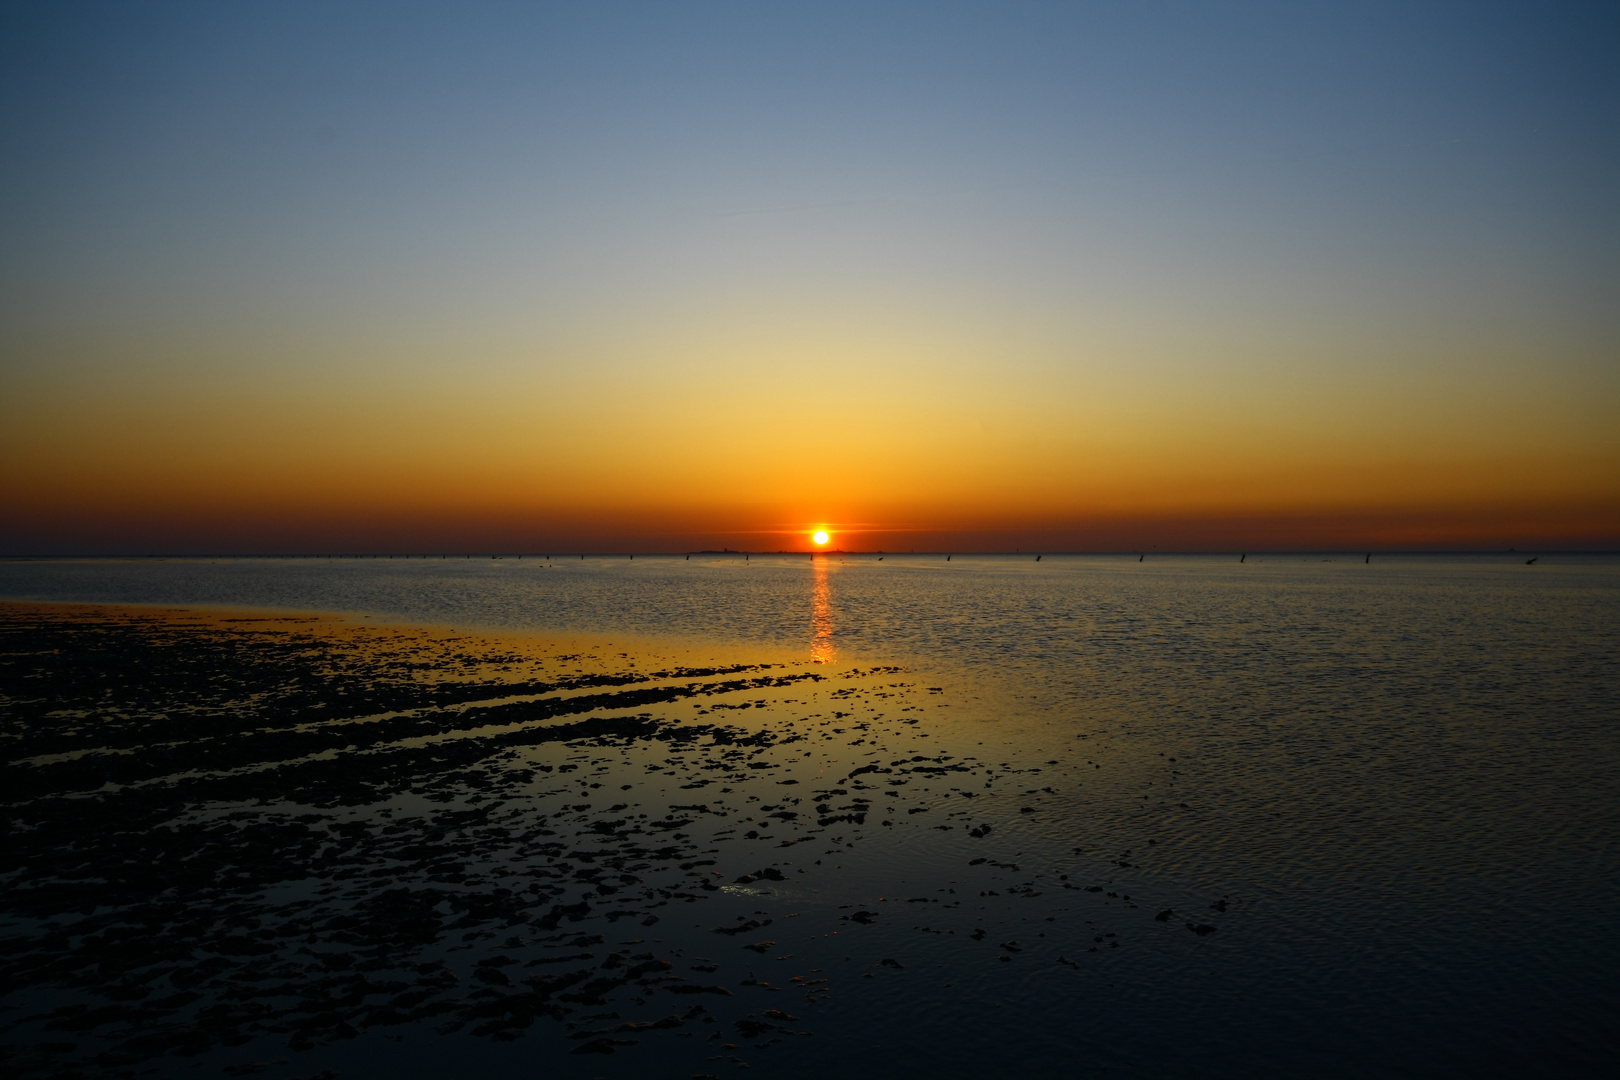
column 1390, row 788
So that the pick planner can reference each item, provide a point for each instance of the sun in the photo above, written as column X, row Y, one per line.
column 820, row 536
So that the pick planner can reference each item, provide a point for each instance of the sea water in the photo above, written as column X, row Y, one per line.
column 1400, row 775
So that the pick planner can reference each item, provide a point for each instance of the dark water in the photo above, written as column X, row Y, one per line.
column 1391, row 789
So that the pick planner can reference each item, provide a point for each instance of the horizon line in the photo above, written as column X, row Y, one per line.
column 556, row 554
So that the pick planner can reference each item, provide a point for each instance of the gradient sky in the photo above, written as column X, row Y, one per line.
column 946, row 276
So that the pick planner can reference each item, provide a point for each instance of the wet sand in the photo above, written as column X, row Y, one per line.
column 274, row 844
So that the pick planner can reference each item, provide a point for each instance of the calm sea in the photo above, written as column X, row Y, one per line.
column 1403, row 773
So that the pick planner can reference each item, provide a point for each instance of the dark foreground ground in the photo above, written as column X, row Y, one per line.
column 239, row 843
column 293, row 847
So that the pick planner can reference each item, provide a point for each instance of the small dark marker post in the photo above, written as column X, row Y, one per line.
column 1369, row 559
column 1244, row 557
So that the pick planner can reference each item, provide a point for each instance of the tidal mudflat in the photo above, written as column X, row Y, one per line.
column 1210, row 825
column 242, row 841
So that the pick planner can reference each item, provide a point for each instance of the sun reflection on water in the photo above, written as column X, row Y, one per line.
column 821, row 625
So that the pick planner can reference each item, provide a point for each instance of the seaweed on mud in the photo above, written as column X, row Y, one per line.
column 195, row 857
column 221, row 832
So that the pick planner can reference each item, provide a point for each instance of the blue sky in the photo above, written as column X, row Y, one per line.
column 1396, row 220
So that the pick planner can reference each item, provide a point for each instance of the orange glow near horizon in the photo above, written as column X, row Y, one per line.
column 136, row 471
column 176, row 464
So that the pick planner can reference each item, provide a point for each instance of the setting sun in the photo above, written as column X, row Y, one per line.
column 820, row 536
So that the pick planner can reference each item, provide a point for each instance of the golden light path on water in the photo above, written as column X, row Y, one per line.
column 821, row 623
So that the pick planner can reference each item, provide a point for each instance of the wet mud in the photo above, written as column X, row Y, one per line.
column 239, row 843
